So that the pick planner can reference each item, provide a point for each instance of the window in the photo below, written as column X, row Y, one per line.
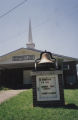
column 66, row 67
column 71, row 79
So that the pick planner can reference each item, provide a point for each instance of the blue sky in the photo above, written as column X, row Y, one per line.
column 54, row 25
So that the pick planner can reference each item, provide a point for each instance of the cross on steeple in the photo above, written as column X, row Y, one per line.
column 30, row 43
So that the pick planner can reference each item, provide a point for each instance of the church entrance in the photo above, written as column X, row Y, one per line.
column 27, row 81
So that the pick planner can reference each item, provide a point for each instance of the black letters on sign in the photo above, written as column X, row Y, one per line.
column 23, row 57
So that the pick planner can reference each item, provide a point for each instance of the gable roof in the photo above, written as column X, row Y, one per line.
column 65, row 58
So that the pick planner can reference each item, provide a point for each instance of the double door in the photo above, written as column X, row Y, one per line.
column 27, row 77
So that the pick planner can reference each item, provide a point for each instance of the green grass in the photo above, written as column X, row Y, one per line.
column 21, row 107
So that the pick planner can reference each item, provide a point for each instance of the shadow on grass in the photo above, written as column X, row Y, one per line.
column 71, row 106
column 68, row 106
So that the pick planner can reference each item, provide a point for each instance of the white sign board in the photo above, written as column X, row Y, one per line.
column 47, row 88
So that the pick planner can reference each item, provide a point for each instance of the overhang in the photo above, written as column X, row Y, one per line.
column 17, row 65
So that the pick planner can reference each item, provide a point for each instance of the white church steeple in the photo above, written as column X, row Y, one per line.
column 30, row 43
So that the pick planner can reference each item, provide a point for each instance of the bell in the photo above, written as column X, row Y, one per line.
column 45, row 58
column 45, row 62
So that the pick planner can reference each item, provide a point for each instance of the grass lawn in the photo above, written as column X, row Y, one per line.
column 21, row 107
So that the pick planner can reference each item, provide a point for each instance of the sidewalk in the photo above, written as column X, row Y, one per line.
column 4, row 95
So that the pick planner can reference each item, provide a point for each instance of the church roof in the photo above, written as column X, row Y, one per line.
column 67, row 58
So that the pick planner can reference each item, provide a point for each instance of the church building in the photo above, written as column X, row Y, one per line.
column 16, row 66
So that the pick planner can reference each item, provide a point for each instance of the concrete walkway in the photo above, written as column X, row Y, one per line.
column 4, row 95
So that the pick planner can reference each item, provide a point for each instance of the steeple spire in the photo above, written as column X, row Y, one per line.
column 30, row 33
column 30, row 43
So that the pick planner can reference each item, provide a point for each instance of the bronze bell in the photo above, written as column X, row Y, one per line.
column 45, row 62
column 45, row 58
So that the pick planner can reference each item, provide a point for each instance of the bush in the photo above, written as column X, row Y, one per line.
column 3, row 88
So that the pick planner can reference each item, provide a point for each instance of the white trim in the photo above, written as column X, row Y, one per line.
column 47, row 72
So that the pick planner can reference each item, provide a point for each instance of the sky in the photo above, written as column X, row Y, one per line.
column 54, row 25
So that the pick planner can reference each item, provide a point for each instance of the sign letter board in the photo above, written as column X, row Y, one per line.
column 47, row 88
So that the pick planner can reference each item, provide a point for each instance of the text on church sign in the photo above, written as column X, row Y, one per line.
column 23, row 57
